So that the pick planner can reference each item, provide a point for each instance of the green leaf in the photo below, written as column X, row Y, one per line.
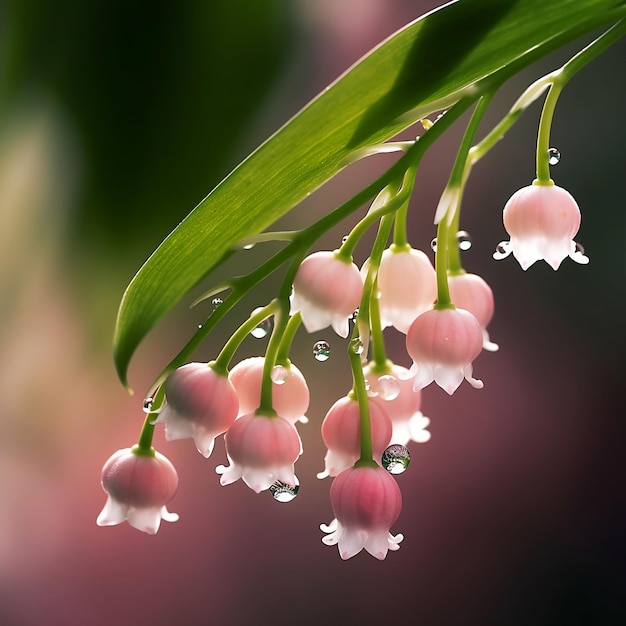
column 427, row 66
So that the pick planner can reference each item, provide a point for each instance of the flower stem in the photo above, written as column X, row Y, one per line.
column 220, row 365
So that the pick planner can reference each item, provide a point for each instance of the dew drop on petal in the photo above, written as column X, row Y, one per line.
column 279, row 374
column 396, row 458
column 283, row 492
column 554, row 156
column 503, row 249
column 388, row 387
column 263, row 329
column 321, row 351
column 464, row 239
column 433, row 245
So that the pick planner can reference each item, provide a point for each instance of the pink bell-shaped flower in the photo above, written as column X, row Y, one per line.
column 542, row 220
column 138, row 487
column 290, row 393
column 472, row 293
column 261, row 450
column 326, row 291
column 407, row 286
column 394, row 393
column 443, row 343
column 200, row 403
column 366, row 502
column 341, row 433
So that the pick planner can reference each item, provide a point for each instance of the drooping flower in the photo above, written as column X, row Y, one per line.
column 261, row 450
column 394, row 393
column 407, row 286
column 290, row 392
column 138, row 487
column 443, row 343
column 326, row 291
column 542, row 220
column 341, row 433
column 472, row 293
column 366, row 502
column 200, row 403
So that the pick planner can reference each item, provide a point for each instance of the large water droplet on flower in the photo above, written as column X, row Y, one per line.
column 263, row 329
column 465, row 241
column 433, row 245
column 396, row 458
column 554, row 156
column 321, row 351
column 279, row 374
column 388, row 387
column 503, row 249
column 356, row 346
column 283, row 492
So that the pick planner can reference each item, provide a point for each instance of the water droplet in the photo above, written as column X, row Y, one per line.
column 396, row 458
column 283, row 492
column 388, row 387
column 503, row 249
column 354, row 315
column 216, row 302
column 248, row 246
column 433, row 245
column 465, row 241
column 554, row 156
column 356, row 346
column 321, row 351
column 200, row 325
column 147, row 404
column 263, row 329
column 279, row 374
column 344, row 239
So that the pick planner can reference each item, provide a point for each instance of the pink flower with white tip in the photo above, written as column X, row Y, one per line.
column 326, row 291
column 472, row 293
column 138, row 487
column 200, row 403
column 443, row 343
column 261, row 450
column 394, row 393
column 366, row 502
column 542, row 220
column 407, row 286
column 290, row 392
column 341, row 432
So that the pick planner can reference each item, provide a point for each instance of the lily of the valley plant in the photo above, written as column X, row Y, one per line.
column 259, row 404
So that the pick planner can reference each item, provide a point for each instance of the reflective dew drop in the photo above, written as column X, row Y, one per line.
column 356, row 346
column 465, row 241
column 396, row 458
column 354, row 315
column 283, row 492
column 321, row 351
column 344, row 239
column 147, row 404
column 388, row 388
column 433, row 245
column 554, row 156
column 503, row 249
column 279, row 374
column 216, row 302
column 263, row 329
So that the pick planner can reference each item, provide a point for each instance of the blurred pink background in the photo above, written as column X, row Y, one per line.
column 513, row 512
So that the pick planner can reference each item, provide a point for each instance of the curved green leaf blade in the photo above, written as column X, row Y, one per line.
column 426, row 66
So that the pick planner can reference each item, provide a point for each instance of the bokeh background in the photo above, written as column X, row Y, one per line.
column 116, row 118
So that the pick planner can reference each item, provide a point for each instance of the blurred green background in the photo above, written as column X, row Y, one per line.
column 116, row 119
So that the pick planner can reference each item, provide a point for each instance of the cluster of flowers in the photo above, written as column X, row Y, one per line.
column 202, row 402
